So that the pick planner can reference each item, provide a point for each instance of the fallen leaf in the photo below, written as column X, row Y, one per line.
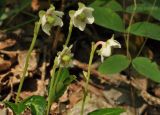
column 4, row 64
column 33, row 62
column 7, row 43
column 35, row 5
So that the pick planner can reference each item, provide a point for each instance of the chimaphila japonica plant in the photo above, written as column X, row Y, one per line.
column 60, row 77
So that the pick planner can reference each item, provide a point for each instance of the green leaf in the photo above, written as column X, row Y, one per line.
column 114, row 5
column 151, row 2
column 111, row 4
column 107, row 18
column 105, row 15
column 114, row 64
column 107, row 111
column 37, row 104
column 146, row 9
column 63, row 81
column 147, row 68
column 16, row 108
column 145, row 29
column 99, row 3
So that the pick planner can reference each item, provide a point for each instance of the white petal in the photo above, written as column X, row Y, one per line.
column 90, row 20
column 82, row 26
column 88, row 13
column 79, row 24
column 114, row 43
column 58, row 13
column 44, row 20
column 51, row 9
column 81, row 5
column 46, row 28
column 90, row 9
column 78, row 12
column 102, row 58
column 58, row 22
column 106, row 51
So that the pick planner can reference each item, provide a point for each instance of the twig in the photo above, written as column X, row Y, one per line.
column 98, row 74
column 144, row 94
column 43, row 70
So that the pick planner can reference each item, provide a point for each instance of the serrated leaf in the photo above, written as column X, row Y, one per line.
column 147, row 68
column 107, row 18
column 16, row 108
column 107, row 111
column 145, row 29
column 37, row 104
column 114, row 64
column 63, row 81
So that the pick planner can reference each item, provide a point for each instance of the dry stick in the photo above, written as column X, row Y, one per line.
column 144, row 94
column 44, row 70
column 11, row 91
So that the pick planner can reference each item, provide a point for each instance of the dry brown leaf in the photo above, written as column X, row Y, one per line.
column 4, row 64
column 76, row 94
column 157, row 91
column 64, row 97
column 35, row 5
column 7, row 43
column 33, row 60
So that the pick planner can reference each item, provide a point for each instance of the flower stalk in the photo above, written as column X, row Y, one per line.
column 52, row 88
column 105, row 51
column 36, row 30
column 88, row 76
column 69, row 33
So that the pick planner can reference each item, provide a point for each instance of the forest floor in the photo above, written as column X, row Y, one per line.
column 137, row 95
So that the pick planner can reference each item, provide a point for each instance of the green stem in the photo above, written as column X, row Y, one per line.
column 53, row 84
column 53, row 79
column 141, row 48
column 69, row 33
column 36, row 30
column 128, row 34
column 88, row 76
column 50, row 88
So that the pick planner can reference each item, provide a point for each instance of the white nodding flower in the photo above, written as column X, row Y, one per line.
column 82, row 16
column 50, row 18
column 107, row 46
column 65, row 57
